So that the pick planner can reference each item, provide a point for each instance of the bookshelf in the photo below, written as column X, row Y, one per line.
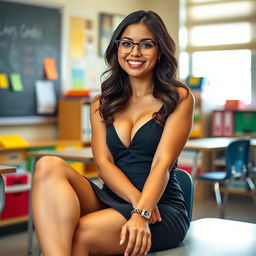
column 74, row 119
column 234, row 123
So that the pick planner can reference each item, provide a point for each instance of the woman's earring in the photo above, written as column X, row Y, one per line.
column 158, row 59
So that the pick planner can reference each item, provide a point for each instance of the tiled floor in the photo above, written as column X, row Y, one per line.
column 239, row 208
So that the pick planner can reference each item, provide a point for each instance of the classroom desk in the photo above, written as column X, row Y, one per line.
column 4, row 169
column 208, row 145
column 216, row 237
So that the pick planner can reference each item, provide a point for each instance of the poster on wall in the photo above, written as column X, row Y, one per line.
column 107, row 25
column 81, row 47
column 82, row 41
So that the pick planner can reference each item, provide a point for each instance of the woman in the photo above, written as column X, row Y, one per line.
column 140, row 123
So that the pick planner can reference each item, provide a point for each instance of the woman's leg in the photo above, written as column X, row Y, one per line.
column 60, row 196
column 98, row 233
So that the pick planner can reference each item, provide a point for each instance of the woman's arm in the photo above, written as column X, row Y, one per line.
column 175, row 134
column 107, row 170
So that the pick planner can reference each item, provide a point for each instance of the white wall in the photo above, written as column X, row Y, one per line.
column 167, row 9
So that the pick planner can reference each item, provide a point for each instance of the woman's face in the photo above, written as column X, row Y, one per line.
column 138, row 61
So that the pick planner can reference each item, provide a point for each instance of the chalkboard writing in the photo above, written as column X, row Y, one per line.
column 28, row 35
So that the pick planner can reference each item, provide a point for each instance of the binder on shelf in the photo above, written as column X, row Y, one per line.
column 217, row 123
column 228, row 123
column 86, row 125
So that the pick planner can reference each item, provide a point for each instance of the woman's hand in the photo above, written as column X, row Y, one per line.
column 137, row 231
column 155, row 216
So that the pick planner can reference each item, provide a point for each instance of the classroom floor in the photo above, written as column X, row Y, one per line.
column 239, row 208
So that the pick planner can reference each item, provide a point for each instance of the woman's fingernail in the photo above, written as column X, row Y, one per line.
column 121, row 242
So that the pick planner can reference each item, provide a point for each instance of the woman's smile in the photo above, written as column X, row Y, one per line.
column 135, row 63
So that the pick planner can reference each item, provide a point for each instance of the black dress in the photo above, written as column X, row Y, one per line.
column 135, row 161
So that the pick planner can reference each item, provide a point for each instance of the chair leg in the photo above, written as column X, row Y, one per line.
column 252, row 187
column 221, row 204
column 218, row 197
column 225, row 199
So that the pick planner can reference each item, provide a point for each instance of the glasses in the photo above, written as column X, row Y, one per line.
column 146, row 47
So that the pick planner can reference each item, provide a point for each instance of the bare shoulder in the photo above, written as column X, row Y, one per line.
column 186, row 95
column 95, row 100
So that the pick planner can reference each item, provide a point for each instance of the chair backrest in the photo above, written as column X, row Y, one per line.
column 237, row 157
column 187, row 186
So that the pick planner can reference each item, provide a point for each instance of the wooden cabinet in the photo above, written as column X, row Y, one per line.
column 74, row 120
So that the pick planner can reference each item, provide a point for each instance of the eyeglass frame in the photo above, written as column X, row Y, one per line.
column 133, row 44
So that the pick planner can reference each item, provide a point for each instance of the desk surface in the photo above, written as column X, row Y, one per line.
column 210, row 144
column 83, row 155
column 7, row 169
column 216, row 237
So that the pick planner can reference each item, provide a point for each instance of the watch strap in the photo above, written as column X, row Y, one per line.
column 143, row 213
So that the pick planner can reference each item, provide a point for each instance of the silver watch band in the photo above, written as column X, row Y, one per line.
column 143, row 213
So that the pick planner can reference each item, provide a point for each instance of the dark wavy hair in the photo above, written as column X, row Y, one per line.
column 116, row 88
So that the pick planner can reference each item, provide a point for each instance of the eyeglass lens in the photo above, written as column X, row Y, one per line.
column 145, row 47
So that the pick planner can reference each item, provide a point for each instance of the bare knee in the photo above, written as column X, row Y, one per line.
column 48, row 166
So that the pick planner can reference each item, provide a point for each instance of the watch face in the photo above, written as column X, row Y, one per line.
column 146, row 214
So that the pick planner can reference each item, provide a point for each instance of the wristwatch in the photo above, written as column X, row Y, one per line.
column 143, row 213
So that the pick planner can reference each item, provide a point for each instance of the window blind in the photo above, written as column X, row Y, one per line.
column 220, row 25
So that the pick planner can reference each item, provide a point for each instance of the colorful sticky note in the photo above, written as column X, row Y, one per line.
column 16, row 82
column 78, row 74
column 77, row 84
column 4, row 81
column 50, row 69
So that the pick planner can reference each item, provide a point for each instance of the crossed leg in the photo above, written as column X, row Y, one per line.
column 60, row 196
column 99, row 234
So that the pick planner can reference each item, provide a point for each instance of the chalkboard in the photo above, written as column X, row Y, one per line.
column 28, row 35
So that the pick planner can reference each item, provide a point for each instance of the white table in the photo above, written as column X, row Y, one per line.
column 216, row 237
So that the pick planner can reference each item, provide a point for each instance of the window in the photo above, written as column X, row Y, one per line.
column 220, row 46
column 228, row 73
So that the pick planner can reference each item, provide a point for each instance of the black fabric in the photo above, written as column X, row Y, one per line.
column 135, row 162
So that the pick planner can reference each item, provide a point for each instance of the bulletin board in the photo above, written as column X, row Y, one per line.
column 28, row 35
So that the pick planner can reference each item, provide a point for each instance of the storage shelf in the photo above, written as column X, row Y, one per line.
column 19, row 188
column 12, row 221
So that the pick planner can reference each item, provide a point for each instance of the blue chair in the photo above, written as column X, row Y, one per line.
column 237, row 158
column 187, row 187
